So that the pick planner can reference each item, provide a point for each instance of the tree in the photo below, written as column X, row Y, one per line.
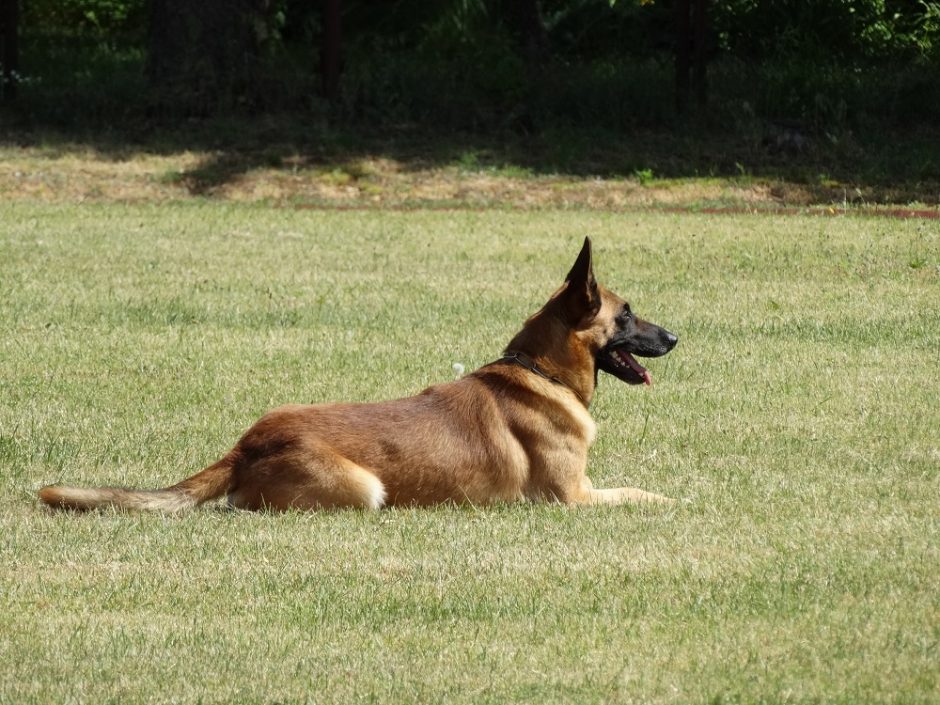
column 203, row 55
column 331, row 49
column 691, row 59
column 10, row 52
column 524, row 20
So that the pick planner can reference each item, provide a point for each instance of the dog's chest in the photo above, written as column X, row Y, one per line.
column 578, row 421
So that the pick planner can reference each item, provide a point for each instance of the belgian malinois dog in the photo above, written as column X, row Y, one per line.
column 515, row 429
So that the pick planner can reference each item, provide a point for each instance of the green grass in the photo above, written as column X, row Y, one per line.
column 799, row 416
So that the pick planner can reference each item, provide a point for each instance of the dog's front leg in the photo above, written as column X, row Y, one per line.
column 586, row 494
column 626, row 495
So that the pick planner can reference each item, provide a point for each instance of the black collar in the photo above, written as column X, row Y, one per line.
column 525, row 361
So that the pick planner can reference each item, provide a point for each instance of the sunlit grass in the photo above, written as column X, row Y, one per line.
column 798, row 415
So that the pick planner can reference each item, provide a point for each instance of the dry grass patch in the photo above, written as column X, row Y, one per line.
column 69, row 173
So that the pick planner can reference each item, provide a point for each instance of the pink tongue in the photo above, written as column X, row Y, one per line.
column 637, row 367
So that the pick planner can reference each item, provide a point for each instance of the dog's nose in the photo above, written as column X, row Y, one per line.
column 671, row 340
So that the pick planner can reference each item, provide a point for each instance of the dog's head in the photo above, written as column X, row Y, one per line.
column 606, row 326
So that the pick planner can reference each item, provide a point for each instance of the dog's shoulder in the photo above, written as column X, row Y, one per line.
column 532, row 400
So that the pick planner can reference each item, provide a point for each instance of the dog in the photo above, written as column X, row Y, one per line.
column 515, row 429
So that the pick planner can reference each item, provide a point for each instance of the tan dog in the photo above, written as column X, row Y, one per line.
column 515, row 429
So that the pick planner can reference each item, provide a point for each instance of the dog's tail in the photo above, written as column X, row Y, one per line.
column 208, row 484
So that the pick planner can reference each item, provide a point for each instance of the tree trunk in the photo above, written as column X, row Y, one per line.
column 524, row 20
column 10, row 56
column 203, row 55
column 683, row 54
column 331, row 49
column 691, row 55
column 699, row 57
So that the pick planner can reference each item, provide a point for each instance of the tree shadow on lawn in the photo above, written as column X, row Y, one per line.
column 804, row 170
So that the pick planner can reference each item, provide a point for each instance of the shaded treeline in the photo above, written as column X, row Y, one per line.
column 518, row 65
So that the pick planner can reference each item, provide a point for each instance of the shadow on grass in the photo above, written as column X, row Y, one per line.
column 796, row 166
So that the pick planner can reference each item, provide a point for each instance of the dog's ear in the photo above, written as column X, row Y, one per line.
column 582, row 298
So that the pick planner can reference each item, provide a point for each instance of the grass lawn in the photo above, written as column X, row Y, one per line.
column 799, row 417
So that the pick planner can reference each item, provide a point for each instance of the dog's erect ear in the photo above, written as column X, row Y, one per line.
column 582, row 299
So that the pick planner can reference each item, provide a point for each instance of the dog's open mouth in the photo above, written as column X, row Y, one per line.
column 623, row 365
